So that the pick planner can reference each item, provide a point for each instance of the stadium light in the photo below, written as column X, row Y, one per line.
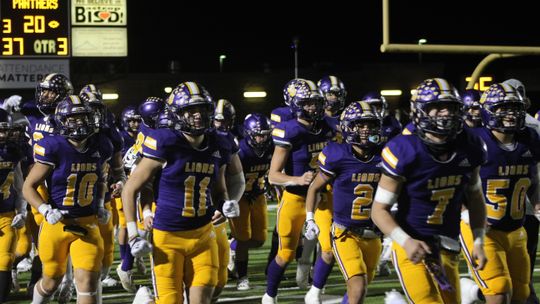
column 110, row 96
column 254, row 94
column 390, row 92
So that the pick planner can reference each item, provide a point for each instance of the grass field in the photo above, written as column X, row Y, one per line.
column 288, row 292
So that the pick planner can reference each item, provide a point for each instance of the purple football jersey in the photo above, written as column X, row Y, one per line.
column 40, row 128
column 354, row 184
column 432, row 194
column 281, row 114
column 230, row 139
column 73, row 184
column 255, row 167
column 183, row 195
column 9, row 158
column 390, row 128
column 506, row 177
column 304, row 146
column 129, row 141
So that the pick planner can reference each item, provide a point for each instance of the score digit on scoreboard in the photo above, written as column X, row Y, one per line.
column 34, row 28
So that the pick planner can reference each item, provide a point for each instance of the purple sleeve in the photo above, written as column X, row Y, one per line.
column 45, row 151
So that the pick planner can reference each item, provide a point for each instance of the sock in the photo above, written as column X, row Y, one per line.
column 5, row 282
column 481, row 295
column 234, row 243
column 345, row 299
column 69, row 270
column 241, row 268
column 37, row 298
column 123, row 251
column 127, row 262
column 273, row 278
column 321, row 273
column 273, row 250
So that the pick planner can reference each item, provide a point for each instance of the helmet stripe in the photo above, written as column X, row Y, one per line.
column 365, row 106
column 443, row 84
column 333, row 81
column 75, row 99
column 192, row 87
column 220, row 105
column 312, row 85
column 507, row 87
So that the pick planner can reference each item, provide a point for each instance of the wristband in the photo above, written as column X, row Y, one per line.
column 132, row 230
column 399, row 236
column 309, row 216
column 385, row 197
column 147, row 213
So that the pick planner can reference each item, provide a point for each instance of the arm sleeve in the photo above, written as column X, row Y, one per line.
column 45, row 152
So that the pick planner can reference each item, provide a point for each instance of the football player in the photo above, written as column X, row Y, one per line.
column 390, row 128
column 50, row 91
column 249, row 229
column 191, row 164
column 298, row 143
column 352, row 170
column 131, row 122
column 224, row 122
column 12, row 205
column 532, row 222
column 104, row 124
column 472, row 108
column 334, row 93
column 509, row 179
column 430, row 173
column 75, row 165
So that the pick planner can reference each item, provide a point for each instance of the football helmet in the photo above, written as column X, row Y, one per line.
column 192, row 108
column 165, row 120
column 305, row 99
column 378, row 101
column 131, row 114
column 505, row 108
column 353, row 122
column 258, row 129
column 51, row 90
column 92, row 88
column 6, row 127
column 518, row 85
column 99, row 110
column 224, row 115
column 150, row 109
column 334, row 93
column 471, row 101
column 74, row 119
column 433, row 94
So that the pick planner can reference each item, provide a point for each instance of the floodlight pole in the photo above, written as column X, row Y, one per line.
column 295, row 47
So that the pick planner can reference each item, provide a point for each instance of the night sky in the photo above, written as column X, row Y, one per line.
column 338, row 36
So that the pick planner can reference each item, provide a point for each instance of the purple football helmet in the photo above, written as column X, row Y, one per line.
column 91, row 88
column 51, row 90
column 131, row 114
column 224, row 115
column 74, row 119
column 192, row 108
column 334, row 93
column 99, row 110
column 165, row 120
column 257, row 129
column 303, row 93
column 433, row 94
column 357, row 115
column 471, row 102
column 378, row 101
column 505, row 108
column 150, row 109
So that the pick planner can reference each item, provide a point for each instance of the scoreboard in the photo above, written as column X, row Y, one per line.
column 34, row 28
